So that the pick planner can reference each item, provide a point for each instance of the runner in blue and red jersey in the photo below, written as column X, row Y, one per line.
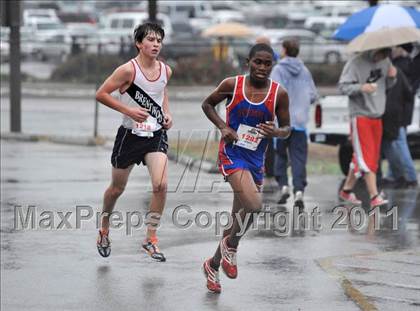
column 253, row 103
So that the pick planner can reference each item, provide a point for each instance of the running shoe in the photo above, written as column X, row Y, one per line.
column 151, row 248
column 378, row 201
column 349, row 197
column 212, row 275
column 103, row 243
column 228, row 262
column 284, row 195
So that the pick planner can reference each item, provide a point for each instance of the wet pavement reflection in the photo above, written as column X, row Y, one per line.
column 332, row 259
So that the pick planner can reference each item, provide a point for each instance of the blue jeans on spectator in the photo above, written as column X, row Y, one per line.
column 399, row 158
column 294, row 147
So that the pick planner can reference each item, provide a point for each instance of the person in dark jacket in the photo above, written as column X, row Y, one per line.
column 398, row 115
column 399, row 100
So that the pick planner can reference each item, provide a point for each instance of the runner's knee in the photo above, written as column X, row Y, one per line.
column 116, row 191
column 160, row 187
column 255, row 208
column 251, row 205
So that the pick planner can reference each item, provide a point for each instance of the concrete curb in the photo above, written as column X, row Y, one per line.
column 56, row 90
column 191, row 162
column 65, row 140
column 65, row 90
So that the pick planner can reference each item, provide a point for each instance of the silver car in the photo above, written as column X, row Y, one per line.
column 313, row 48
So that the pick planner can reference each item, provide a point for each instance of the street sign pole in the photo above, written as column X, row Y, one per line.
column 12, row 19
column 152, row 11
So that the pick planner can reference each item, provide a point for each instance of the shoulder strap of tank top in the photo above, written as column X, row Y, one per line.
column 237, row 94
column 134, row 64
column 272, row 98
column 164, row 70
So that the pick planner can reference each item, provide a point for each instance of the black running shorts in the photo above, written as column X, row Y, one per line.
column 130, row 148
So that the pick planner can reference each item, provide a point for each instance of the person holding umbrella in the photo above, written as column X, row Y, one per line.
column 365, row 79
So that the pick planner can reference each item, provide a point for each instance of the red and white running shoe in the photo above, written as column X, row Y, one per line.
column 212, row 275
column 349, row 197
column 228, row 261
column 378, row 201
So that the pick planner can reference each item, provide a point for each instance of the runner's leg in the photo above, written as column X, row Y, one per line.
column 215, row 263
column 113, row 192
column 157, row 164
column 249, row 198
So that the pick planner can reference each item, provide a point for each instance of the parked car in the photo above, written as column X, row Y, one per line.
column 79, row 25
column 198, row 13
column 313, row 48
column 267, row 19
column 119, row 25
column 45, row 28
column 186, row 41
column 26, row 40
column 183, row 9
column 56, row 47
column 226, row 12
column 46, row 14
column 324, row 25
column 331, row 126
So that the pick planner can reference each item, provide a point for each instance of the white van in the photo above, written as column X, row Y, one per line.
column 49, row 14
column 183, row 9
column 114, row 26
column 198, row 13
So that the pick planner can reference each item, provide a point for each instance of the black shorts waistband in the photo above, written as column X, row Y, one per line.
column 158, row 132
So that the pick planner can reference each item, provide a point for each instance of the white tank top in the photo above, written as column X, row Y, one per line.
column 154, row 88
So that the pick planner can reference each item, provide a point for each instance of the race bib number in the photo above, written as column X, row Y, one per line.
column 143, row 129
column 249, row 138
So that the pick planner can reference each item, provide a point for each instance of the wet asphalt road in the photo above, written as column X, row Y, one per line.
column 75, row 117
column 334, row 267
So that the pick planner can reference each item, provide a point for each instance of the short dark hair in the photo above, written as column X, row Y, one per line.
column 143, row 30
column 291, row 47
column 260, row 47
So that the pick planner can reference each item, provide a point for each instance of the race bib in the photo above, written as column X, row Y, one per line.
column 143, row 129
column 249, row 138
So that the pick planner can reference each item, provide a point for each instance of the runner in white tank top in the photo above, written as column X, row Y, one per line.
column 141, row 138
column 154, row 88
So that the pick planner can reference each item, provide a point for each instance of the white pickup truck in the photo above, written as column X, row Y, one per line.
column 331, row 126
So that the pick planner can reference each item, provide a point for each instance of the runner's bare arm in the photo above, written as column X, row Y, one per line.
column 120, row 79
column 223, row 91
column 167, row 124
column 269, row 129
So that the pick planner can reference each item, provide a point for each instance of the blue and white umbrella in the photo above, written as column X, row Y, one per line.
column 375, row 18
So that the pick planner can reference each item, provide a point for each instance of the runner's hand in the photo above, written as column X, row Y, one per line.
column 267, row 129
column 167, row 123
column 138, row 114
column 229, row 135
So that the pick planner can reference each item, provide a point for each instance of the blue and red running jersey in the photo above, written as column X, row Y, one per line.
column 240, row 110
